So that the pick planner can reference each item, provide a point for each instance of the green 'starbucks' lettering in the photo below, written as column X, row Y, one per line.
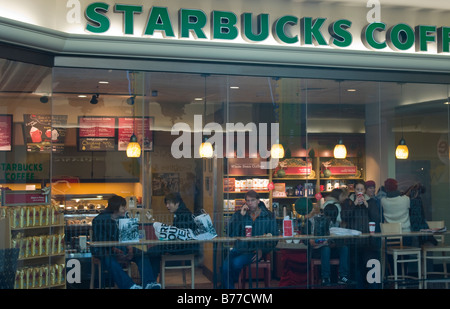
column 368, row 36
column 423, row 37
column 224, row 25
column 262, row 31
column 400, row 37
column 192, row 20
column 128, row 16
column 279, row 29
column 443, row 39
column 340, row 36
column 99, row 23
column 159, row 20
column 310, row 31
column 284, row 30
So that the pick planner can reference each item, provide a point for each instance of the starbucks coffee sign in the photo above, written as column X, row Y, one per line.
column 287, row 30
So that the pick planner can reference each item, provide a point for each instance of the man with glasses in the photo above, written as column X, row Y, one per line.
column 253, row 213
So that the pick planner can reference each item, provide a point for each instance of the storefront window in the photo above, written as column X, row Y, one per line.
column 68, row 129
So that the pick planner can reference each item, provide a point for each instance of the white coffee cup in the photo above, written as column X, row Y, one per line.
column 372, row 227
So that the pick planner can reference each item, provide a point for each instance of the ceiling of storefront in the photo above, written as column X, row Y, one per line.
column 321, row 95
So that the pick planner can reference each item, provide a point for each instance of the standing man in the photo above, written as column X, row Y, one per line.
column 105, row 227
column 254, row 213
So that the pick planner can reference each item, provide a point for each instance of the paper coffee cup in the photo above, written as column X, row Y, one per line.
column 372, row 227
column 248, row 231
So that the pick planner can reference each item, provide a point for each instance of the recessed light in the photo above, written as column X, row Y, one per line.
column 82, row 96
column 103, row 82
column 351, row 90
column 198, row 99
column 234, row 87
column 447, row 103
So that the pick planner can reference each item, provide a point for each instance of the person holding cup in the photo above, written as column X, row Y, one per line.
column 253, row 219
column 357, row 211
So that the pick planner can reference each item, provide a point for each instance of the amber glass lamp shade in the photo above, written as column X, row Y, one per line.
column 340, row 151
column 206, row 150
column 402, row 151
column 277, row 151
column 133, row 148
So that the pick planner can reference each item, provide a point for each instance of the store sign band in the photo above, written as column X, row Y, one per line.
column 225, row 26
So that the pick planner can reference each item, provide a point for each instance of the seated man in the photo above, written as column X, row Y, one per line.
column 105, row 228
column 254, row 213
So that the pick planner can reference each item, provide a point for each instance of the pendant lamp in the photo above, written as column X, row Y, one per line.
column 277, row 151
column 205, row 150
column 133, row 148
column 402, row 151
column 340, row 151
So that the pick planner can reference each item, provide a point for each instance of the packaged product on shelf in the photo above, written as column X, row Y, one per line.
column 54, row 244
column 35, row 245
column 52, row 275
column 18, row 217
column 43, row 275
column 60, row 243
column 28, row 247
column 54, row 214
column 60, row 273
column 29, row 278
column 238, row 203
column 37, row 215
column 47, row 215
column 48, row 244
column 36, row 277
column 43, row 245
column 19, row 282
column 229, row 184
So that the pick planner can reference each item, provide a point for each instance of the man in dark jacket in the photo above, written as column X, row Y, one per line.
column 253, row 213
column 105, row 227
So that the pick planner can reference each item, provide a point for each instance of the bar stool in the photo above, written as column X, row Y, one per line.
column 177, row 258
column 314, row 269
column 265, row 265
column 96, row 264
column 440, row 252
column 394, row 246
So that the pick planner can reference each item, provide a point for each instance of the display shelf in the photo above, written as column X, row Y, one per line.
column 38, row 232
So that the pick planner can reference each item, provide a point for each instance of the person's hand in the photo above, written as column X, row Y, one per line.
column 130, row 254
column 244, row 209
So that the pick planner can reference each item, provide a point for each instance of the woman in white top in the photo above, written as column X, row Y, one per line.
column 396, row 206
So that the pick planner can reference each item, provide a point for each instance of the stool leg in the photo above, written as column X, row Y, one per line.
column 163, row 273
column 192, row 273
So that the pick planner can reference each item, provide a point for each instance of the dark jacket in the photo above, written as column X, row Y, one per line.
column 104, row 228
column 265, row 223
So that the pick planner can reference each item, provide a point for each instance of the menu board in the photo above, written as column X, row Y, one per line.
column 45, row 133
column 142, row 127
column 96, row 133
column 6, row 132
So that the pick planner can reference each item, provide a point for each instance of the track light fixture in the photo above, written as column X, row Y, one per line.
column 43, row 99
column 130, row 100
column 94, row 99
